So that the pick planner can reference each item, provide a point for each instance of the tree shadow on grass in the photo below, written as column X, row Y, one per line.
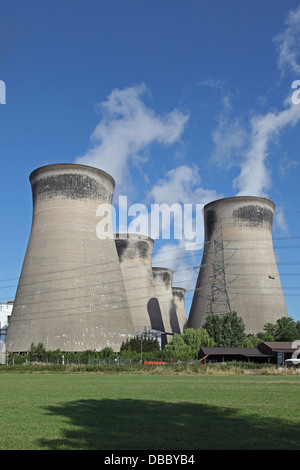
column 128, row 424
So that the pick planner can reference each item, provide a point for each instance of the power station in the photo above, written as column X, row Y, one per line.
column 179, row 303
column 163, row 278
column 238, row 271
column 135, row 256
column 71, row 294
column 80, row 289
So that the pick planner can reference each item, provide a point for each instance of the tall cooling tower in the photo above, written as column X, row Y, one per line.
column 71, row 295
column 163, row 278
column 135, row 255
column 239, row 270
column 179, row 303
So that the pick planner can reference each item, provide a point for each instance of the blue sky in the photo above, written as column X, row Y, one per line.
column 181, row 101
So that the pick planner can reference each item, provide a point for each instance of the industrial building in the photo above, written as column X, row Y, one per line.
column 135, row 256
column 179, row 303
column 71, row 295
column 238, row 270
column 163, row 278
column 5, row 314
column 154, row 304
column 80, row 289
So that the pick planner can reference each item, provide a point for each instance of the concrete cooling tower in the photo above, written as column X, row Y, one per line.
column 179, row 303
column 238, row 270
column 135, row 255
column 71, row 294
column 163, row 278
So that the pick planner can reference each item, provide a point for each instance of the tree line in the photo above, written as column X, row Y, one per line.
column 226, row 330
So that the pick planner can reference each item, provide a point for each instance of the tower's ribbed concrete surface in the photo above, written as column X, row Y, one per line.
column 135, row 255
column 238, row 271
column 71, row 295
column 163, row 278
column 179, row 303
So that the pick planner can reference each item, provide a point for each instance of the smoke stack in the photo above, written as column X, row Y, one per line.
column 71, row 295
column 135, row 255
column 238, row 270
column 179, row 303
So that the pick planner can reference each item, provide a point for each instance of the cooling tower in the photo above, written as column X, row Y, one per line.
column 238, row 270
column 135, row 255
column 163, row 278
column 71, row 295
column 179, row 303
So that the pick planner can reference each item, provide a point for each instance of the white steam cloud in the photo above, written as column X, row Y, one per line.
column 254, row 178
column 128, row 126
column 250, row 150
column 288, row 43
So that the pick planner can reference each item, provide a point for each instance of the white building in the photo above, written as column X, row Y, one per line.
column 5, row 313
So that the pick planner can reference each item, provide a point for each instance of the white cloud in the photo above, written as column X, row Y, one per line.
column 288, row 43
column 182, row 185
column 254, row 178
column 176, row 207
column 250, row 149
column 280, row 220
column 212, row 83
column 286, row 164
column 175, row 257
column 229, row 137
column 128, row 126
column 182, row 188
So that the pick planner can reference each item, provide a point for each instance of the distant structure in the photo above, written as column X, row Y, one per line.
column 163, row 278
column 179, row 303
column 239, row 270
column 135, row 256
column 5, row 314
column 71, row 295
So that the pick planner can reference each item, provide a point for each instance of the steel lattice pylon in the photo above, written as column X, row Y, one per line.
column 218, row 298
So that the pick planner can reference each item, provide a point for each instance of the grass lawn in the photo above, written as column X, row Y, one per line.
column 148, row 412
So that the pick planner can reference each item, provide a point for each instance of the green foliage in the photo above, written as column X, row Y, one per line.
column 227, row 330
column 177, row 348
column 187, row 346
column 146, row 411
column 285, row 329
column 107, row 353
column 251, row 341
column 134, row 344
column 37, row 353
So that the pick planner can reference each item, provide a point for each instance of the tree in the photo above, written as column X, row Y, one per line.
column 286, row 329
column 107, row 353
column 214, row 327
column 298, row 328
column 269, row 332
column 252, row 341
column 37, row 352
column 134, row 344
column 177, row 348
column 187, row 346
column 226, row 330
column 195, row 339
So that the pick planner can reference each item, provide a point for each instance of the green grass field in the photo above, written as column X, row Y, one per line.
column 148, row 412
